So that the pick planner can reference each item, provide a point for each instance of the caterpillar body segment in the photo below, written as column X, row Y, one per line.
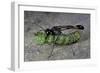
column 63, row 39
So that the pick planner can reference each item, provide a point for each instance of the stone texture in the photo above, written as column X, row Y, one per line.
column 32, row 22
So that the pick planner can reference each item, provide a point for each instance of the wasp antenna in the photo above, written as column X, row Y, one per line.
column 40, row 27
column 37, row 23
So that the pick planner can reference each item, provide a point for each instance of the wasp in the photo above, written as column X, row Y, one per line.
column 55, row 36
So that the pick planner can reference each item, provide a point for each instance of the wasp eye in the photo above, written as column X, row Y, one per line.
column 80, row 27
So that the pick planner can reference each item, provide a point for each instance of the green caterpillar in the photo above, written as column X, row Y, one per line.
column 63, row 39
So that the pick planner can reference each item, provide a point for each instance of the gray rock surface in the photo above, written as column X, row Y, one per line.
column 32, row 22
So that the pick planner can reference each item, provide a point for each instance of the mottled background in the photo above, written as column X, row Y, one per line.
column 34, row 52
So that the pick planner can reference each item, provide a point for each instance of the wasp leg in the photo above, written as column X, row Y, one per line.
column 51, row 53
column 73, row 52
